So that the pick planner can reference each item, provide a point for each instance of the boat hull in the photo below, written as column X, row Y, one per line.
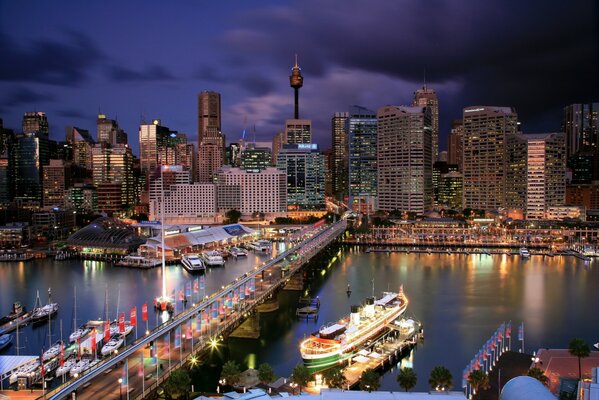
column 318, row 364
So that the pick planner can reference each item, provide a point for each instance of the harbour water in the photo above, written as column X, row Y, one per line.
column 460, row 299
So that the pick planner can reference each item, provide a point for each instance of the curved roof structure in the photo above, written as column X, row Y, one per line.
column 525, row 388
column 106, row 232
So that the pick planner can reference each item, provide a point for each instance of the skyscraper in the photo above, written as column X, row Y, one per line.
column 515, row 172
column 427, row 97
column 209, row 115
column 546, row 173
column 82, row 143
column 211, row 142
column 404, row 159
column 153, row 140
column 113, row 177
column 362, row 158
column 278, row 141
column 54, row 184
column 35, row 123
column 580, row 125
column 108, row 132
column 455, row 149
column 298, row 131
column 7, row 139
column 255, row 158
column 484, row 162
column 339, row 127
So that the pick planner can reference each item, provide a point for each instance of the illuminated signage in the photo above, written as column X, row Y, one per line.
column 474, row 109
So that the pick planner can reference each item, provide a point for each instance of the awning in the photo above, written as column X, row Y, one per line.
column 8, row 364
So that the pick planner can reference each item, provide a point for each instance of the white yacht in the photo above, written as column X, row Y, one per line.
column 113, row 344
column 524, row 253
column 193, row 263
column 115, row 329
column 213, row 258
column 52, row 351
column 260, row 245
column 69, row 363
column 238, row 252
column 80, row 333
column 80, row 366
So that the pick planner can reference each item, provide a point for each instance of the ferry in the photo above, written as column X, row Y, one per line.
column 138, row 262
column 334, row 343
column 260, row 245
column 213, row 258
column 193, row 263
column 524, row 253
column 238, row 252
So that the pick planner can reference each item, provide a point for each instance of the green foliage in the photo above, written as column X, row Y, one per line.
column 580, row 349
column 178, row 384
column 440, row 378
column 266, row 373
column 232, row 216
column 539, row 375
column 301, row 375
column 334, row 378
column 230, row 373
column 478, row 380
column 370, row 380
column 407, row 379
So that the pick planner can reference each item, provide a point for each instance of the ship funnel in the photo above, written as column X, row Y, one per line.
column 369, row 308
column 355, row 315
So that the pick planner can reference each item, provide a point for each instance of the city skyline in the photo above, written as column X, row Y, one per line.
column 66, row 62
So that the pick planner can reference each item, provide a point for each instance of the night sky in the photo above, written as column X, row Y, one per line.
column 148, row 58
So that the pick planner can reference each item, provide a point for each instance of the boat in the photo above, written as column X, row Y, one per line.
column 80, row 366
column 260, row 245
column 524, row 253
column 53, row 351
column 5, row 340
column 79, row 333
column 138, row 262
column 39, row 312
column 336, row 342
column 69, row 363
column 115, row 329
column 238, row 252
column 213, row 258
column 17, row 311
column 193, row 263
column 596, row 345
column 113, row 344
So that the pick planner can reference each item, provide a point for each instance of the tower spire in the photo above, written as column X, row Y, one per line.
column 296, row 81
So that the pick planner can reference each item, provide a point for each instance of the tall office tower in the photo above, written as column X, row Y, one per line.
column 35, row 123
column 440, row 168
column 153, row 140
column 7, row 139
column 455, row 149
column 340, row 155
column 185, row 155
column 210, row 155
column 113, row 177
column 450, row 190
column 404, row 159
column 81, row 143
column 255, row 158
column 546, row 180
column 580, row 125
column 426, row 97
column 209, row 115
column 296, row 81
column 278, row 141
column 484, row 155
column 54, row 184
column 304, row 167
column 108, row 131
column 515, row 172
column 167, row 155
column 328, row 172
column 298, row 131
column 362, row 158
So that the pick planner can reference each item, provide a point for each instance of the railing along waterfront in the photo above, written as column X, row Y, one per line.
column 305, row 250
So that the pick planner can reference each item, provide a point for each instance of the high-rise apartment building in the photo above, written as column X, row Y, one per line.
column 278, row 141
column 515, row 172
column 108, row 131
column 404, row 159
column 546, row 173
column 362, row 158
column 451, row 185
column 340, row 156
column 455, row 150
column 580, row 125
column 55, row 182
column 484, row 155
column 427, row 97
column 255, row 158
column 298, row 131
column 81, row 144
column 153, row 141
column 303, row 165
column 209, row 115
column 186, row 155
column 113, row 177
column 7, row 140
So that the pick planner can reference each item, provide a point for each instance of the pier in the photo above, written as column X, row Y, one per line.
column 143, row 365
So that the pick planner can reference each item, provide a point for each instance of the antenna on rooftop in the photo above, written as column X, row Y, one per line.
column 424, row 79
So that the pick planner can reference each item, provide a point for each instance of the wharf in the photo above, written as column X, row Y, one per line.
column 468, row 251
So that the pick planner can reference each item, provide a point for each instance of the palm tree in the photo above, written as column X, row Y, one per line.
column 539, row 375
column 369, row 380
column 440, row 378
column 478, row 380
column 407, row 379
column 579, row 348
column 301, row 376
column 334, row 378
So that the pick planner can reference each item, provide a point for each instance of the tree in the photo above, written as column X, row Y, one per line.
column 334, row 378
column 580, row 349
column 232, row 216
column 266, row 373
column 478, row 380
column 178, row 384
column 440, row 378
column 539, row 375
column 369, row 380
column 301, row 375
column 230, row 373
column 407, row 379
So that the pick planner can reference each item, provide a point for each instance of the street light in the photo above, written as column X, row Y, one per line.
column 221, row 382
column 121, row 388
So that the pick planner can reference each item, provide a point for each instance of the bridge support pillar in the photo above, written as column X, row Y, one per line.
column 249, row 329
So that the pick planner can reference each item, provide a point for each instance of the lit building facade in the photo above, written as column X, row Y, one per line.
column 362, row 158
column 298, row 131
column 455, row 150
column 515, row 172
column 209, row 114
column 186, row 203
column 108, row 132
column 153, row 141
column 340, row 156
column 581, row 128
column 255, row 158
column 451, row 187
column 82, row 198
column 54, row 184
column 303, row 165
column 427, row 97
column 113, row 177
column 405, row 159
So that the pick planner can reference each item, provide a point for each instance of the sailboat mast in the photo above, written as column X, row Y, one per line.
column 162, row 233
column 18, row 348
column 74, row 308
column 118, row 302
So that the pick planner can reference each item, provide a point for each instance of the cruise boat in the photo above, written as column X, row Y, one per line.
column 260, row 245
column 138, row 262
column 42, row 313
column 193, row 263
column 113, row 344
column 334, row 343
column 524, row 253
column 213, row 258
column 238, row 252
column 5, row 340
column 52, row 352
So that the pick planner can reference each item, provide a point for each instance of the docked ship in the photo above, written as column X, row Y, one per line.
column 213, row 258
column 337, row 342
column 260, row 245
column 524, row 253
column 193, row 263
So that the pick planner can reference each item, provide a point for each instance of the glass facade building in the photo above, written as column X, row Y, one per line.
column 304, row 166
column 362, row 157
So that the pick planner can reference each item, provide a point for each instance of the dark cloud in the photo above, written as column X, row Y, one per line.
column 210, row 73
column 150, row 73
column 23, row 96
column 74, row 113
column 48, row 61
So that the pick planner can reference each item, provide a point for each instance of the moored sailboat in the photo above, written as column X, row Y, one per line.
column 40, row 312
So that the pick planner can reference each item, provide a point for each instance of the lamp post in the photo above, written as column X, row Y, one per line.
column 121, row 388
column 221, row 383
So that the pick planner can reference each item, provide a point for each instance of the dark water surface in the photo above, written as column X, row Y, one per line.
column 460, row 299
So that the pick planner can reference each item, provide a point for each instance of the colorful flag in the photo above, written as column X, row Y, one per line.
column 221, row 308
column 202, row 282
column 521, row 331
column 199, row 322
column 181, row 295
column 42, row 360
column 78, row 348
column 215, row 309
column 122, row 323
column 106, row 331
column 247, row 289
column 167, row 343
column 133, row 316
column 508, row 330
column 140, row 368
column 93, row 342
column 242, row 292
column 196, row 286
column 188, row 289
column 178, row 337
column 189, row 329
column 61, row 354
column 144, row 312
column 253, row 285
